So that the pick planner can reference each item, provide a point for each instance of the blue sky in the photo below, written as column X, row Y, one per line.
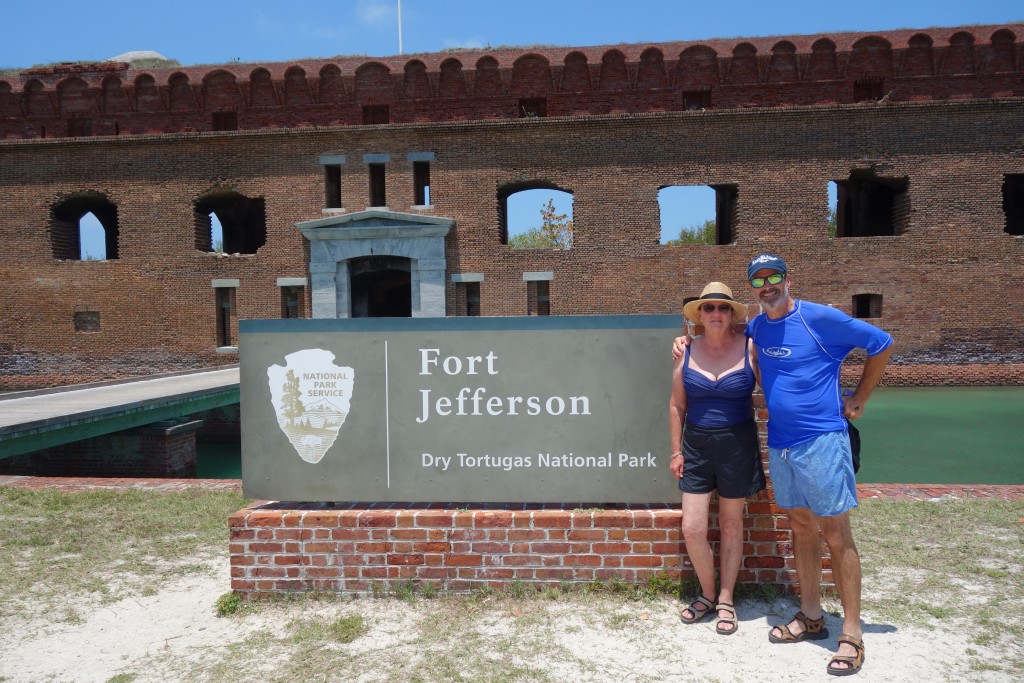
column 220, row 31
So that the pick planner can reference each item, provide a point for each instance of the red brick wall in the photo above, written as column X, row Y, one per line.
column 131, row 453
column 905, row 65
column 281, row 548
column 157, row 306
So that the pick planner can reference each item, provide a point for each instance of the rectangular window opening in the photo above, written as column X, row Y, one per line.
column 377, row 193
column 421, row 183
column 538, row 293
column 87, row 321
column 696, row 100
column 533, row 107
column 867, row 305
column 80, row 128
column 1013, row 203
column 375, row 114
column 225, row 313
column 332, row 186
column 292, row 298
column 225, row 120
column 867, row 90
column 871, row 206
column 467, row 294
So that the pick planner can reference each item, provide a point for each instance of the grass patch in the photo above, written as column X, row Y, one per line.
column 107, row 543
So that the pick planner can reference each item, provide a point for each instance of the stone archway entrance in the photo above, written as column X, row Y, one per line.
column 377, row 263
column 381, row 287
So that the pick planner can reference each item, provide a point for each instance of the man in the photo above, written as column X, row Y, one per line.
column 800, row 348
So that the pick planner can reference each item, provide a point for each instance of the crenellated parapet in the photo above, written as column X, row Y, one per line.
column 846, row 68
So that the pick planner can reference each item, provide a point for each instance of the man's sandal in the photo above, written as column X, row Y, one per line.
column 814, row 629
column 855, row 662
column 730, row 620
column 699, row 608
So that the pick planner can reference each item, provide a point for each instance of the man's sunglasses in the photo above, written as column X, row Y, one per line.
column 773, row 279
column 710, row 308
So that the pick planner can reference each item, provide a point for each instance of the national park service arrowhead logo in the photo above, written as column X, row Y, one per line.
column 311, row 396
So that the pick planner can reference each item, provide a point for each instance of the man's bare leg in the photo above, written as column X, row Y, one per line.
column 847, row 575
column 807, row 553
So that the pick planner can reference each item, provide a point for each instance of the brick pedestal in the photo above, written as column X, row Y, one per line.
column 282, row 547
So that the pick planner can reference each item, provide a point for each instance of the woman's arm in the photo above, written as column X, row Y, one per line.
column 676, row 418
column 752, row 354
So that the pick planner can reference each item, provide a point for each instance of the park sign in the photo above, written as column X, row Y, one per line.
column 561, row 409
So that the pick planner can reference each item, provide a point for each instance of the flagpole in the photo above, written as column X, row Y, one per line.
column 399, row 26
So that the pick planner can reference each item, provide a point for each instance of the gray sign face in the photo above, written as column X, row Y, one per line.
column 547, row 410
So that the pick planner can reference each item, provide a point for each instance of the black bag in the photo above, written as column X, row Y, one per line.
column 854, row 445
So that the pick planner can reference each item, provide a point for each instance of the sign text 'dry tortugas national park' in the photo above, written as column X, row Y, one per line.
column 568, row 409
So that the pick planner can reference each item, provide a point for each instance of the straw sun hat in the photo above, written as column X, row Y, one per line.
column 715, row 292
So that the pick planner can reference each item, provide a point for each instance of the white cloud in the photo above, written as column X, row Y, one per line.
column 377, row 13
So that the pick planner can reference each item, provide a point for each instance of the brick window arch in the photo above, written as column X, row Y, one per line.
column 66, row 226
column 614, row 75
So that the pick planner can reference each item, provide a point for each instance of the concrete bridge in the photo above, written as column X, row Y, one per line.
column 150, row 407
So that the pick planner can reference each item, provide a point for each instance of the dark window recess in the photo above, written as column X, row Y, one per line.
column 79, row 128
column 726, row 204
column 871, row 206
column 332, row 186
column 374, row 114
column 538, row 294
column 533, row 107
column 225, row 120
column 1013, row 203
column 421, row 182
column 65, row 224
column 87, row 321
column 291, row 302
column 378, row 196
column 867, row 305
column 468, row 297
column 243, row 222
column 867, row 90
column 224, row 315
column 695, row 100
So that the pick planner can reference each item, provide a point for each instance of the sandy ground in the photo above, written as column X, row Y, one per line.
column 176, row 635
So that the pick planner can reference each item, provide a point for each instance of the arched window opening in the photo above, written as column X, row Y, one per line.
column 241, row 221
column 84, row 227
column 697, row 214
column 92, row 238
column 536, row 216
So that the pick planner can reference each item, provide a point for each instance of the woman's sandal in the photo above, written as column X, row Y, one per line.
column 731, row 619
column 855, row 662
column 814, row 629
column 699, row 608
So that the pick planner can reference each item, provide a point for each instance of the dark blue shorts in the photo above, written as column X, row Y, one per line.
column 726, row 459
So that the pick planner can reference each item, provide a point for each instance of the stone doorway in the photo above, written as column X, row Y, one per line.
column 396, row 261
column 381, row 287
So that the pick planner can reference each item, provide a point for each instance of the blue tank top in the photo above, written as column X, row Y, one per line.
column 718, row 403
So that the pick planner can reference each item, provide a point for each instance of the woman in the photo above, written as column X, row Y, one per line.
column 711, row 387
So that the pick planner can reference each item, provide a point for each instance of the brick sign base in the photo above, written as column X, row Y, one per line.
column 280, row 547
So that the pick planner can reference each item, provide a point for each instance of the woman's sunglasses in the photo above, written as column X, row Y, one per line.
column 773, row 279
column 710, row 308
